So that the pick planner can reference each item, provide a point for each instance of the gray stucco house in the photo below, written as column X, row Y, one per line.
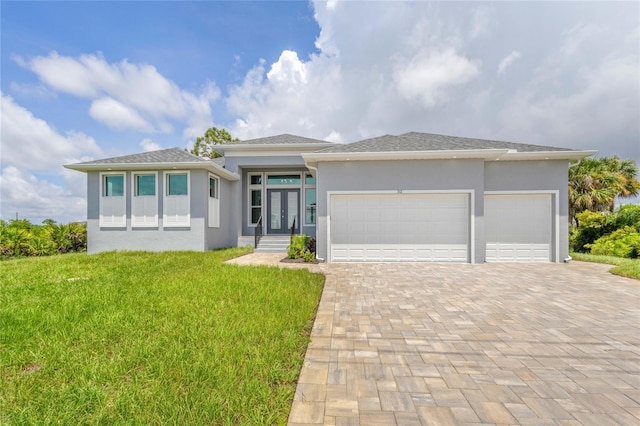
column 412, row 197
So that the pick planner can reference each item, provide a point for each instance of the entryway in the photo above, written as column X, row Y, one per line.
column 283, row 206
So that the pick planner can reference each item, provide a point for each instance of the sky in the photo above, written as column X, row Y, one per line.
column 89, row 80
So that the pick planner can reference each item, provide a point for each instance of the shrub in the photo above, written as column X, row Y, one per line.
column 625, row 242
column 593, row 225
column 302, row 247
column 20, row 238
column 628, row 215
column 297, row 246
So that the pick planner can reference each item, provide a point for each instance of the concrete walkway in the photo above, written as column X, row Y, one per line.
column 472, row 344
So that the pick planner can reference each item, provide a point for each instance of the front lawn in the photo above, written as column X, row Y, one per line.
column 625, row 267
column 151, row 338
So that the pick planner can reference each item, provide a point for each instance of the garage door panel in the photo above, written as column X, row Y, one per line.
column 518, row 227
column 405, row 227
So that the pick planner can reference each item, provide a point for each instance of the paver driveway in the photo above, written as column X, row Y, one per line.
column 461, row 344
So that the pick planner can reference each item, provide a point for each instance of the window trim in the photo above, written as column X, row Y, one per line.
column 255, row 187
column 134, row 182
column 213, row 202
column 166, row 196
column 123, row 197
column 135, row 197
column 304, row 201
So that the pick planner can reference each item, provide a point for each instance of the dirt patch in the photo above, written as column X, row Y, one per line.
column 31, row 368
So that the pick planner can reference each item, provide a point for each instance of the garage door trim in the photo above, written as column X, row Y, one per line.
column 555, row 196
column 469, row 192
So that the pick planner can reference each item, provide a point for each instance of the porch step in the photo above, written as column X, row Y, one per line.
column 273, row 244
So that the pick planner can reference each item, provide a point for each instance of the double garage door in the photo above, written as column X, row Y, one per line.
column 436, row 227
column 399, row 227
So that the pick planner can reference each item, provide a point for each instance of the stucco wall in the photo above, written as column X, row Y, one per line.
column 149, row 239
column 535, row 176
column 226, row 234
column 401, row 175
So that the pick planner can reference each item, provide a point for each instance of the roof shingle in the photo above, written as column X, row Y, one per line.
column 171, row 155
column 285, row 139
column 415, row 141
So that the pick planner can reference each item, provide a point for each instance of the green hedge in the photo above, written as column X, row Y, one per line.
column 20, row 238
column 611, row 234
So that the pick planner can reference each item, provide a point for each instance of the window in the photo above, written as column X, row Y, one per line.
column 177, row 184
column 144, row 203
column 309, row 200
column 145, row 185
column 255, row 198
column 214, row 202
column 113, row 200
column 114, row 185
column 177, row 202
column 283, row 180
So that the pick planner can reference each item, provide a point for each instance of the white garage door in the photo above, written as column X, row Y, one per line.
column 518, row 227
column 399, row 227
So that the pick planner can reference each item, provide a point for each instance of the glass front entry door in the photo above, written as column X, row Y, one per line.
column 283, row 207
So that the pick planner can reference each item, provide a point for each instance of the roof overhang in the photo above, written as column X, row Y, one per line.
column 287, row 147
column 106, row 167
column 547, row 155
column 312, row 158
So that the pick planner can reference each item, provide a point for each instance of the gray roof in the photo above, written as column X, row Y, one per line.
column 284, row 139
column 415, row 141
column 171, row 155
column 219, row 161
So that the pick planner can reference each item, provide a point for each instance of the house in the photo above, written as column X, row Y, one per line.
column 412, row 197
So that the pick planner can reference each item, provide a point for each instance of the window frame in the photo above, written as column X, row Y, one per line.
column 102, row 200
column 304, row 203
column 250, row 205
column 166, row 197
column 214, row 201
column 135, row 199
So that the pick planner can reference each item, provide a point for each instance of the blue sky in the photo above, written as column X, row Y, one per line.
column 86, row 80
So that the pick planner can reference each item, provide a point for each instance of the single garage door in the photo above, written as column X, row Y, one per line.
column 399, row 227
column 518, row 227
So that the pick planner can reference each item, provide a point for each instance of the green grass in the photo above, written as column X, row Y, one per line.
column 151, row 338
column 624, row 267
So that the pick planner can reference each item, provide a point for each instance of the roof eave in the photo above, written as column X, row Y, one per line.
column 271, row 147
column 547, row 155
column 315, row 157
column 485, row 154
column 105, row 167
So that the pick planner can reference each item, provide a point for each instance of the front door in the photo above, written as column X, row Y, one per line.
column 283, row 206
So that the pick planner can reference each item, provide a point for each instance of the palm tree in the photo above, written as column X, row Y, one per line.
column 594, row 184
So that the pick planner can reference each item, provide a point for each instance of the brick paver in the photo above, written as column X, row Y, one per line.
column 413, row 343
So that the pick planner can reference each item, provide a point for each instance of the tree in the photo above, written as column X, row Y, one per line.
column 594, row 184
column 213, row 136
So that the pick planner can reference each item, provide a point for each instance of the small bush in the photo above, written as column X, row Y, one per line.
column 308, row 256
column 302, row 247
column 593, row 225
column 624, row 242
column 297, row 246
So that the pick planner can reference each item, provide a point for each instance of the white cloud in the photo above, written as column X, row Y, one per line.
column 124, row 95
column 38, row 199
column 383, row 75
column 30, row 142
column 38, row 91
column 587, row 102
column 117, row 115
column 507, row 61
column 30, row 145
column 149, row 145
column 426, row 77
column 480, row 21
